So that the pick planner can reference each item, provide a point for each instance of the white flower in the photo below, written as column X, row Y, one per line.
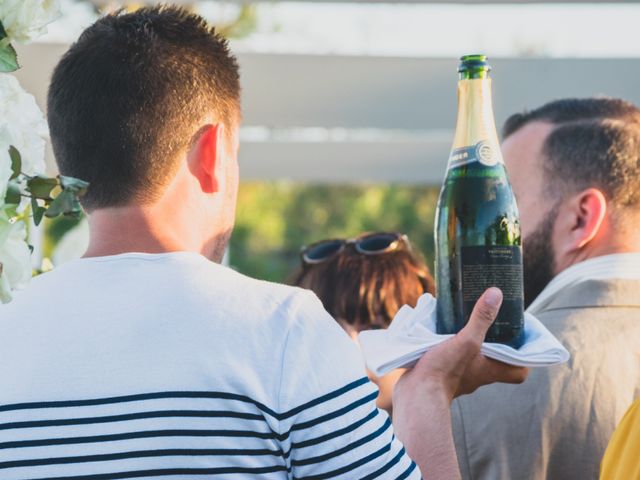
column 24, row 20
column 22, row 124
column 15, row 257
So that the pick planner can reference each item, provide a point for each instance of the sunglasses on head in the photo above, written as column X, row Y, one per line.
column 366, row 244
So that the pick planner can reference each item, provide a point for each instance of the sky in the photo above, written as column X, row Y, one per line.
column 417, row 30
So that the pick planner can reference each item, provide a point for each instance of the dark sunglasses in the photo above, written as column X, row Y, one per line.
column 366, row 244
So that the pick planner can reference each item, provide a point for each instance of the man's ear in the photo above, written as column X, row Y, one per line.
column 205, row 159
column 583, row 218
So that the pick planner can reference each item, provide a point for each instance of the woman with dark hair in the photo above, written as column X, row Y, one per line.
column 362, row 282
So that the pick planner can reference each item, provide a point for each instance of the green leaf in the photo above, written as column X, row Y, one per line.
column 79, row 187
column 66, row 203
column 60, row 204
column 8, row 55
column 8, row 59
column 13, row 195
column 38, row 214
column 38, row 211
column 41, row 186
column 3, row 32
column 16, row 161
column 8, row 211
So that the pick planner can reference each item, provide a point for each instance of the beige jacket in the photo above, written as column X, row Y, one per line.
column 557, row 424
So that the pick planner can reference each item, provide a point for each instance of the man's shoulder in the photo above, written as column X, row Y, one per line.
column 228, row 285
column 595, row 293
column 189, row 283
column 594, row 312
column 597, row 322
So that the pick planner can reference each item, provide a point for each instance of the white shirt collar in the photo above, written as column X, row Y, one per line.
column 623, row 266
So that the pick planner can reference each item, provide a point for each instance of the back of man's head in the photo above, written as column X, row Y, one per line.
column 130, row 95
column 594, row 142
column 574, row 166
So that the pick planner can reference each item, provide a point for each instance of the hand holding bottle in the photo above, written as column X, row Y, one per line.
column 456, row 366
column 422, row 397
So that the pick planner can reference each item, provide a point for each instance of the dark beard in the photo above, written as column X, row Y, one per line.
column 538, row 258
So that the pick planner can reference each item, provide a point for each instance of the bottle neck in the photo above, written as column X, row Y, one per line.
column 475, row 117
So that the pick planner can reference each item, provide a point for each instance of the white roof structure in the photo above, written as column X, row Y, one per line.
column 367, row 117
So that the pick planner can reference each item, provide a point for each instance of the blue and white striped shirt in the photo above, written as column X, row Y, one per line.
column 168, row 365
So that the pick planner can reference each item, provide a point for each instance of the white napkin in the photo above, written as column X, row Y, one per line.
column 412, row 333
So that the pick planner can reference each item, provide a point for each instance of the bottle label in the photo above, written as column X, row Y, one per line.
column 494, row 266
column 481, row 152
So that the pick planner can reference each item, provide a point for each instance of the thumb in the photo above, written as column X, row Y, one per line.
column 483, row 315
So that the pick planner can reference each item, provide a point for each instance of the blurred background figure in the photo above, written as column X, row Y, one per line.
column 363, row 282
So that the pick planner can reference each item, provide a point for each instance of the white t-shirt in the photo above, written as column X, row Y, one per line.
column 168, row 365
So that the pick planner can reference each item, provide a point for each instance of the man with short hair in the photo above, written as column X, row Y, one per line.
column 144, row 358
column 575, row 168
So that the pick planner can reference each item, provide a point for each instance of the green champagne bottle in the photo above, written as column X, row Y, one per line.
column 477, row 227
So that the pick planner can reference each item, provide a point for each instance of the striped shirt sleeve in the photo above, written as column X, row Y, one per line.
column 329, row 424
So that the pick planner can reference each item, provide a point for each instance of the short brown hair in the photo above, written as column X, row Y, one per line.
column 366, row 291
column 127, row 98
column 595, row 142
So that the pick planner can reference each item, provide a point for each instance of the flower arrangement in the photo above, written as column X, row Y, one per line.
column 25, row 192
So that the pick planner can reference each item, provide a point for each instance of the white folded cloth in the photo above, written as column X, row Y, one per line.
column 412, row 333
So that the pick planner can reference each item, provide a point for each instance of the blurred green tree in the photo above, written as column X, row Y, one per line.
column 276, row 219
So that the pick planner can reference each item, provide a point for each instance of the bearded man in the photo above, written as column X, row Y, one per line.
column 575, row 169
